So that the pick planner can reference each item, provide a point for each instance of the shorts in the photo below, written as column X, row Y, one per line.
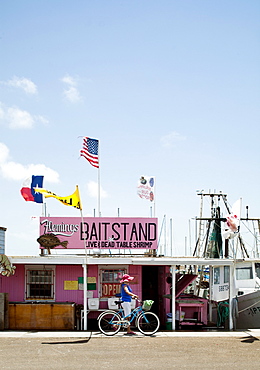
column 127, row 308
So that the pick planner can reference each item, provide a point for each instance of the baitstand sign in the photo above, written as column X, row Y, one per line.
column 100, row 232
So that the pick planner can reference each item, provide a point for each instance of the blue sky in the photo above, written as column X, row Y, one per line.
column 170, row 88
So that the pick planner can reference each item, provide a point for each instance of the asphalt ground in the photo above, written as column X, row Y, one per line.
column 165, row 350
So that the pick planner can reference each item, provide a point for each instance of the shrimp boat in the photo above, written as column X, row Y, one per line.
column 223, row 239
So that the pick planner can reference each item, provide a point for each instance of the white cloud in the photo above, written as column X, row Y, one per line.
column 23, row 83
column 4, row 153
column 71, row 92
column 93, row 190
column 42, row 119
column 2, row 113
column 69, row 80
column 72, row 95
column 168, row 140
column 17, row 171
column 18, row 119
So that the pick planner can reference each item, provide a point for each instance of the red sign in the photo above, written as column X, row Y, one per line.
column 110, row 289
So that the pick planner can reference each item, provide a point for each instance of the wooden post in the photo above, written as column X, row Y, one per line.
column 173, row 267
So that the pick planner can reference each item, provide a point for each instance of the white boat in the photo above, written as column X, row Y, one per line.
column 246, row 279
column 248, row 311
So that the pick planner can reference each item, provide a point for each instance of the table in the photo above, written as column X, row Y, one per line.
column 193, row 307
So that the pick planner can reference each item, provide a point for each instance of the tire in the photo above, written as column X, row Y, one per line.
column 148, row 323
column 107, row 323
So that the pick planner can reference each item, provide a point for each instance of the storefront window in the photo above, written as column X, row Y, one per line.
column 110, row 281
column 39, row 283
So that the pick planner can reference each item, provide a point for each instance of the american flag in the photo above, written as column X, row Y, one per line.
column 90, row 151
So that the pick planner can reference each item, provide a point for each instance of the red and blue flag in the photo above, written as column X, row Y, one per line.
column 28, row 192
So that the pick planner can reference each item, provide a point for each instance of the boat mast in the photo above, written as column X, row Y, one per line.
column 199, row 242
column 216, row 217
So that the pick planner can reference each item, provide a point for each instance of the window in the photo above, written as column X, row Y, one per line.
column 244, row 273
column 216, row 275
column 226, row 274
column 257, row 270
column 110, row 281
column 39, row 283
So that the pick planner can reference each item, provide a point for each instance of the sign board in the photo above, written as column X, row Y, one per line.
column 100, row 232
column 70, row 285
column 110, row 289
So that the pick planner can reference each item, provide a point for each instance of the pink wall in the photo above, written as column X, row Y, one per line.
column 68, row 273
column 136, row 284
column 14, row 285
column 72, row 273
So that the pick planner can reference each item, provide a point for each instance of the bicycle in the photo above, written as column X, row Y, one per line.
column 111, row 322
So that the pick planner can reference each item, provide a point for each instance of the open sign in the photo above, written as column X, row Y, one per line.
column 110, row 289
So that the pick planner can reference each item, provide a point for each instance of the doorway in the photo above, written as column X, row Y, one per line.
column 150, row 286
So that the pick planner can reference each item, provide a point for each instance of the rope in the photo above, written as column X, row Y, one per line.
column 223, row 313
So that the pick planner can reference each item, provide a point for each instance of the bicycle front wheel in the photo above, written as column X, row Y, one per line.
column 148, row 323
column 109, row 323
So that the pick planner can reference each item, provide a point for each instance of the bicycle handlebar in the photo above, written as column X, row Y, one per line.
column 119, row 302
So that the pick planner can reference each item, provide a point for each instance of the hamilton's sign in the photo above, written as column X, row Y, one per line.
column 102, row 232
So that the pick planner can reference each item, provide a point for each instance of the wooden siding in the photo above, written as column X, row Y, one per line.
column 43, row 316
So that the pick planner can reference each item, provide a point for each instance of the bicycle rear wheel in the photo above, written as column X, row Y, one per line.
column 109, row 323
column 148, row 323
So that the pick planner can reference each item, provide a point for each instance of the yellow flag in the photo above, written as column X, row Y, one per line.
column 72, row 200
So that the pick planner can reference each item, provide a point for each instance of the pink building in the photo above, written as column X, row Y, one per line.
column 58, row 291
column 58, row 281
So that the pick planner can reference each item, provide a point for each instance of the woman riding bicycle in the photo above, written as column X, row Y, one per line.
column 126, row 296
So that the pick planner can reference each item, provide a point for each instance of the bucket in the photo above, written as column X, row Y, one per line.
column 169, row 325
column 169, row 322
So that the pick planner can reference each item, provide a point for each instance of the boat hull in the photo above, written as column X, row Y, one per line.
column 248, row 311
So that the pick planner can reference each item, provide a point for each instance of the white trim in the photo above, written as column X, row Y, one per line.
column 108, row 267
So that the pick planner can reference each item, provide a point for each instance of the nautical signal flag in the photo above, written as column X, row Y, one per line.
column 90, row 151
column 71, row 200
column 28, row 189
column 145, row 187
column 233, row 221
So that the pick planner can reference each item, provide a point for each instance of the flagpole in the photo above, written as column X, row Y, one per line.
column 82, row 220
column 99, row 212
column 154, row 198
column 99, row 192
column 85, row 272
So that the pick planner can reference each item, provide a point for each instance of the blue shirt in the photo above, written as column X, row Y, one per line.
column 124, row 296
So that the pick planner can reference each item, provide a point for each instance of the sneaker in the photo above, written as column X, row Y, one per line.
column 131, row 333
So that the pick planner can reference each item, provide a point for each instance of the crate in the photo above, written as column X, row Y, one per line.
column 111, row 303
column 93, row 303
